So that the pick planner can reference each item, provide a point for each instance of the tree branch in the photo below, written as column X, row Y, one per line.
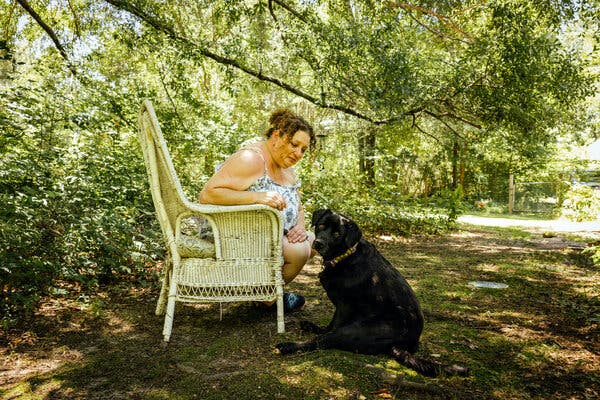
column 290, row 10
column 50, row 33
column 439, row 118
column 271, row 11
column 319, row 101
column 75, row 18
column 452, row 114
column 461, row 119
column 415, row 125
column 434, row 31
column 158, row 25
column 443, row 18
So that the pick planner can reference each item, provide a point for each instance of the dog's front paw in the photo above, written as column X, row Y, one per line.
column 287, row 348
column 308, row 326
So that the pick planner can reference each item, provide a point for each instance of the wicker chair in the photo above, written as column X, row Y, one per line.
column 243, row 263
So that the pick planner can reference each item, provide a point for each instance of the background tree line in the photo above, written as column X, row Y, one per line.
column 419, row 106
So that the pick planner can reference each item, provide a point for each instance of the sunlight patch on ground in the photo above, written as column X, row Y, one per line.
column 592, row 291
column 393, row 239
column 487, row 247
column 488, row 267
column 316, row 371
column 540, row 354
column 339, row 393
column 25, row 390
column 583, row 358
column 18, row 367
column 520, row 332
column 198, row 306
column 309, row 272
column 118, row 325
column 591, row 229
column 501, row 318
column 464, row 234
column 308, row 375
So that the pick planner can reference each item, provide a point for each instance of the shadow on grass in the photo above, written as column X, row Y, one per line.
column 537, row 339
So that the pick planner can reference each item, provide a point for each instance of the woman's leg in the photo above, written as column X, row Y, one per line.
column 295, row 256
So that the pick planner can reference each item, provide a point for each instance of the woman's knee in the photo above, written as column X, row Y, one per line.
column 295, row 256
column 294, row 252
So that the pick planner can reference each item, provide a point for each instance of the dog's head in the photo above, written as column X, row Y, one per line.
column 334, row 233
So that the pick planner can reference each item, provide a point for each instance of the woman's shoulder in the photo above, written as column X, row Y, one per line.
column 249, row 153
column 246, row 161
column 252, row 155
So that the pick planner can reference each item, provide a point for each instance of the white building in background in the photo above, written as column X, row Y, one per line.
column 593, row 151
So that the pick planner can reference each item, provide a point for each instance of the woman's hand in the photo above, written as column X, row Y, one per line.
column 297, row 234
column 272, row 199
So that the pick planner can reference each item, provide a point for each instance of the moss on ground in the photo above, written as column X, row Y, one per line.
column 537, row 339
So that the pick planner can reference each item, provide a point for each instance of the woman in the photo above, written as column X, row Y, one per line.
column 262, row 173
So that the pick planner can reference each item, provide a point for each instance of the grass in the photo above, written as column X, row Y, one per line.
column 538, row 339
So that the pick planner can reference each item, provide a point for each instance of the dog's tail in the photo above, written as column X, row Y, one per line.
column 425, row 366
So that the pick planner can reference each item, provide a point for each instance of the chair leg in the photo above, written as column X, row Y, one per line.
column 170, row 312
column 280, row 316
column 164, row 290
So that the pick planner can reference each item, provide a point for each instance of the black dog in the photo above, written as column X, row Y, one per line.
column 376, row 310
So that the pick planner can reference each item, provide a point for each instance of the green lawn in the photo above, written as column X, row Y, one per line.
column 537, row 339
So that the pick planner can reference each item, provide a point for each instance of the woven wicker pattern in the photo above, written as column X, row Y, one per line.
column 243, row 264
column 189, row 246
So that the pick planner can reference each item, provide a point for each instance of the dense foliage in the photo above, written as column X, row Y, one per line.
column 582, row 203
column 73, row 194
column 418, row 106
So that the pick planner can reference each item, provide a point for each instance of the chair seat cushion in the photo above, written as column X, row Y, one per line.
column 190, row 246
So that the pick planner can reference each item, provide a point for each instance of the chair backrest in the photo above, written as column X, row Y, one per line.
column 167, row 194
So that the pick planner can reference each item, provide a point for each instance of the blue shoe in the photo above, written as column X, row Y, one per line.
column 292, row 302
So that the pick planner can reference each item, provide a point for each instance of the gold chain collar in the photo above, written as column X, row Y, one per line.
column 348, row 253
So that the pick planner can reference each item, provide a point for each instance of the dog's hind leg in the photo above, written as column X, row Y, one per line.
column 425, row 366
column 361, row 336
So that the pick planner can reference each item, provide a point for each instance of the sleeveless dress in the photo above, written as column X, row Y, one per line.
column 289, row 192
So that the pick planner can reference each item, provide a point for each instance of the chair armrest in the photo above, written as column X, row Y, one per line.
column 215, row 208
column 240, row 231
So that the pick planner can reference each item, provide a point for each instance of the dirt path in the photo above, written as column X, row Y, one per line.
column 587, row 229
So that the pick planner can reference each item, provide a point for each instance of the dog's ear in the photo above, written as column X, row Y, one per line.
column 318, row 215
column 352, row 232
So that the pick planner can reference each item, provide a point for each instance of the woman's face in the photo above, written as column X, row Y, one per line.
column 290, row 150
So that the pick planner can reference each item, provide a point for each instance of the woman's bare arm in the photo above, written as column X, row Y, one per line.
column 228, row 185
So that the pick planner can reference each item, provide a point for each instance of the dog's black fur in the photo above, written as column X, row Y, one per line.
column 376, row 310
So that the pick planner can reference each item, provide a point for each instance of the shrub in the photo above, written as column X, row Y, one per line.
column 85, row 221
column 379, row 209
column 581, row 203
column 30, row 236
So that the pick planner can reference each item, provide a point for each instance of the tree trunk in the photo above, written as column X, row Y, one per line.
column 366, row 153
column 461, row 178
column 455, row 161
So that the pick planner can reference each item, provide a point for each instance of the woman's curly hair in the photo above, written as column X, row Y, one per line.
column 288, row 123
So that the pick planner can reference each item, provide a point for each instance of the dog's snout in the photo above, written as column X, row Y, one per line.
column 318, row 245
